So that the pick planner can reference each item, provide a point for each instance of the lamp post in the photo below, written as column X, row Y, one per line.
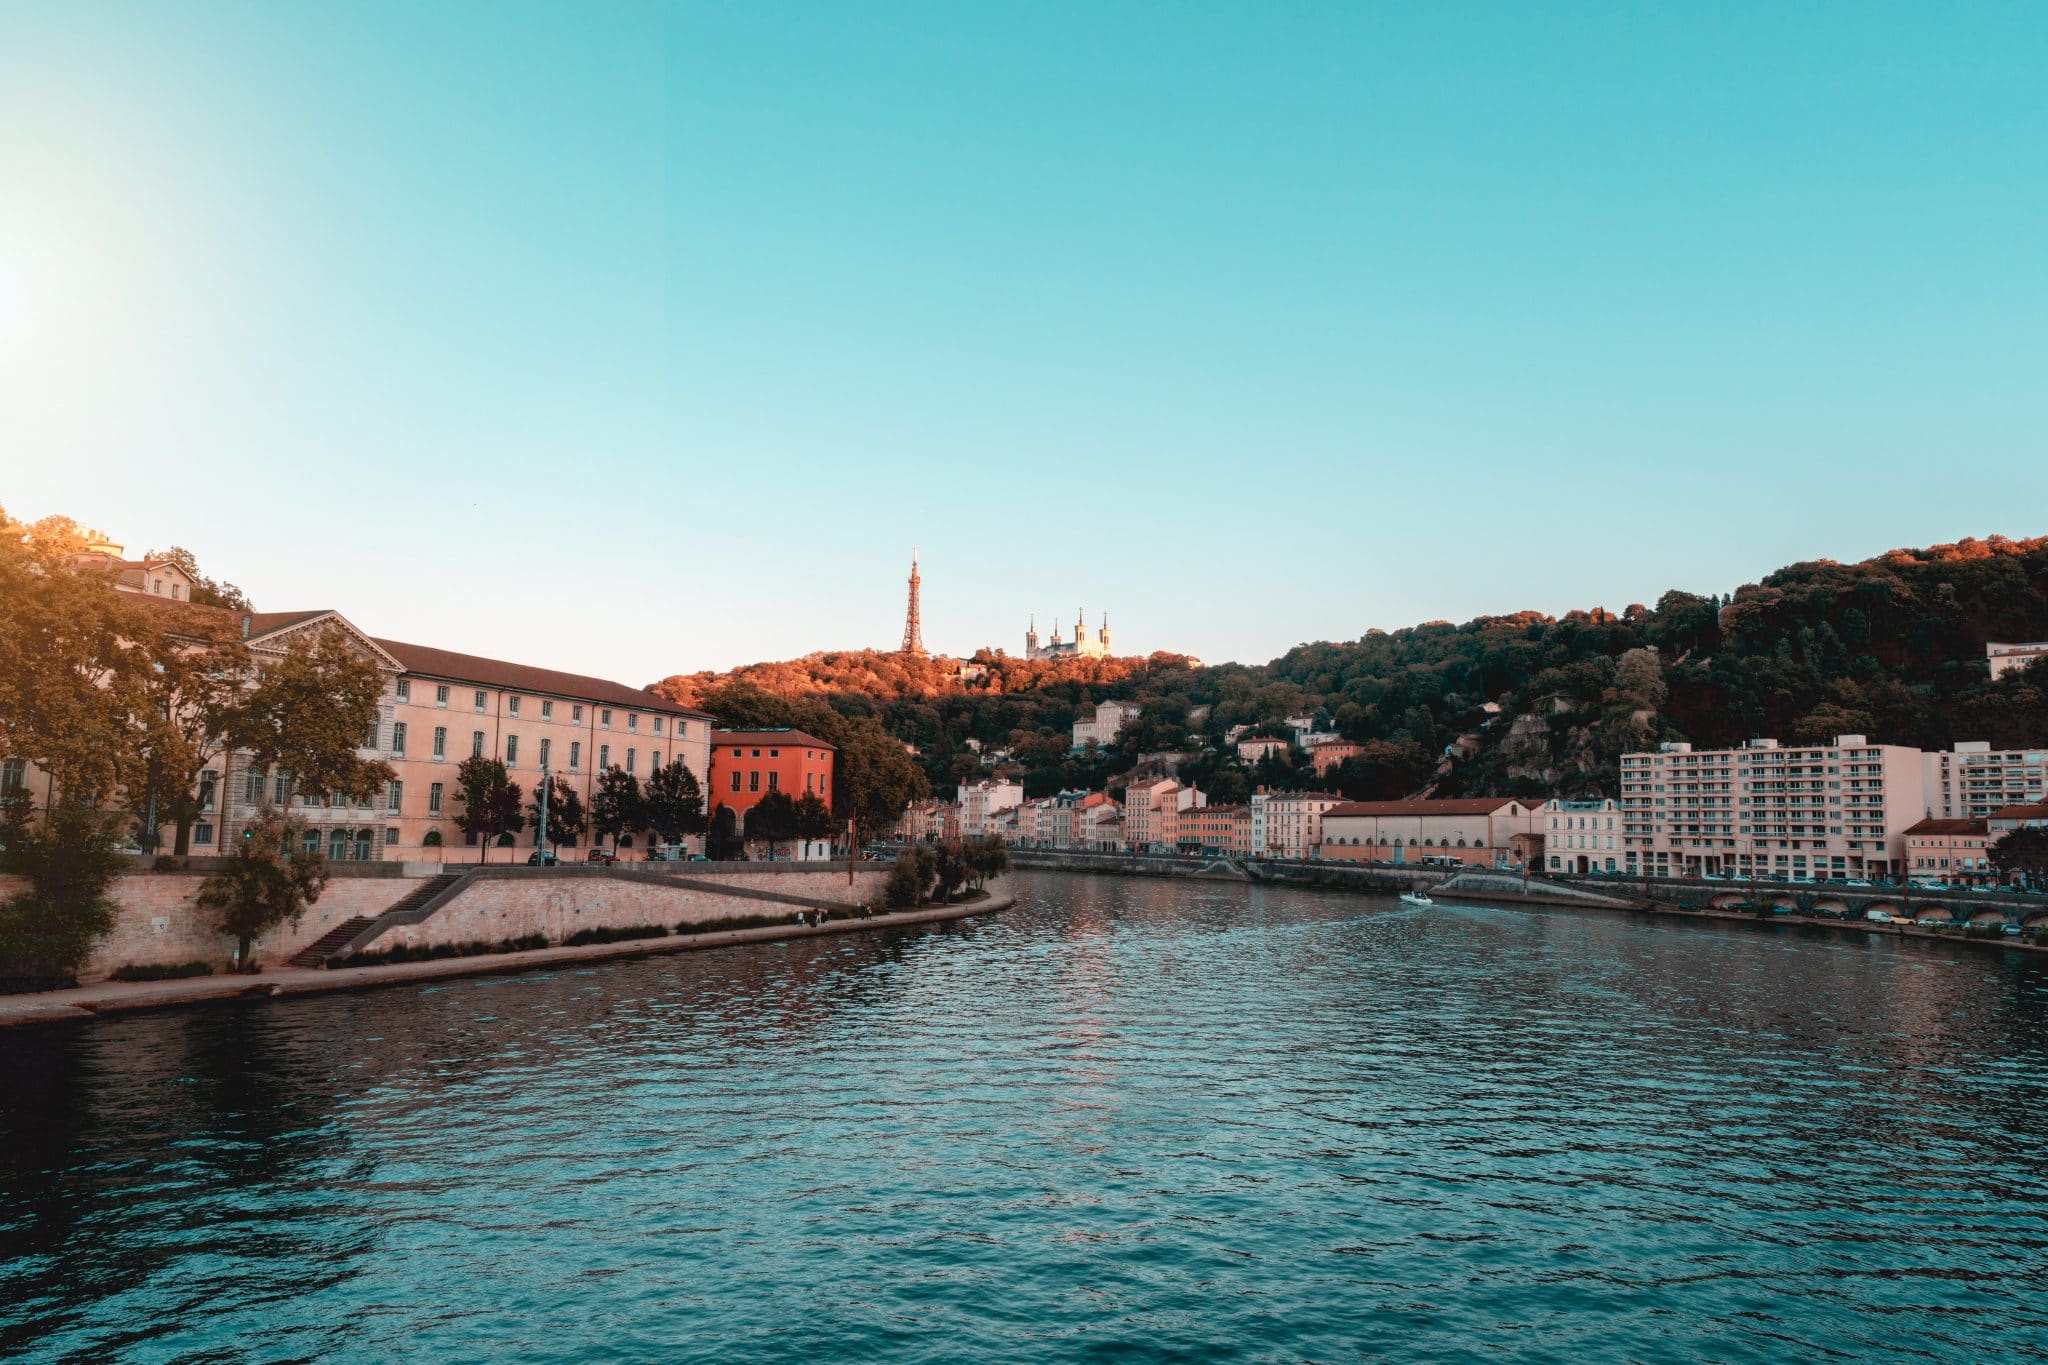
column 541, row 834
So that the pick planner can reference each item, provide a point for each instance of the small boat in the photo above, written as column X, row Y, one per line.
column 1416, row 898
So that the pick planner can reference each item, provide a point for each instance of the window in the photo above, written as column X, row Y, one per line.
column 657, row 725
column 202, row 833
column 511, row 751
column 575, row 754
column 547, row 709
column 629, row 760
column 772, row 780
column 754, row 781
column 440, row 741
column 544, row 754
column 511, row 706
column 775, row 753
column 394, row 796
column 404, row 689
column 632, row 720
column 371, row 742
column 654, row 762
column 252, row 788
column 479, row 700
column 735, row 779
column 476, row 744
column 310, row 842
column 434, row 799
column 277, row 793
column 13, row 774
column 604, row 757
column 441, row 694
column 207, row 781
column 682, row 729
column 576, row 714
column 390, row 836
column 604, row 717
column 398, row 737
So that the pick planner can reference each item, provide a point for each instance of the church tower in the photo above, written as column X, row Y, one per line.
column 1103, row 635
column 1031, row 638
column 913, row 634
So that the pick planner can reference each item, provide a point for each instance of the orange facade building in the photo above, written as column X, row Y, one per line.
column 748, row 764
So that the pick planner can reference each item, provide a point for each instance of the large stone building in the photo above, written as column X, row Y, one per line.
column 1486, row 831
column 1105, row 725
column 1082, row 646
column 1582, row 836
column 1289, row 824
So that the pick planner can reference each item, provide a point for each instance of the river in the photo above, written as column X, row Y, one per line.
column 1131, row 1119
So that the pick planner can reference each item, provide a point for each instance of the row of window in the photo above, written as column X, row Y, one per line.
column 399, row 738
column 480, row 701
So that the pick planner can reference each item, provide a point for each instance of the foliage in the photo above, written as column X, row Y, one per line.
column 949, row 866
column 207, row 592
column 70, row 859
column 307, row 714
column 566, row 817
column 617, row 808
column 269, row 881
column 909, row 879
column 674, row 803
column 610, row 934
column 985, row 859
column 175, row 971
column 2023, row 852
column 405, row 952
column 814, row 818
column 431, row 839
column 490, row 802
column 772, row 820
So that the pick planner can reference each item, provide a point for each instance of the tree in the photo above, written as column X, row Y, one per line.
column 674, row 803
column 772, row 820
column 490, row 802
column 985, row 858
column 2022, row 853
column 723, row 842
column 566, row 817
column 193, row 698
column 813, row 818
column 207, row 592
column 910, row 878
column 618, row 808
column 70, row 859
column 950, row 867
column 307, row 714
column 269, row 881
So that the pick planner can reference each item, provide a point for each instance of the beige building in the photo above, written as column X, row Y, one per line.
column 1950, row 851
column 2004, row 658
column 1252, row 750
column 1484, row 831
column 1972, row 780
column 1582, row 836
column 1105, row 725
column 1289, row 824
column 1815, row 811
column 982, row 802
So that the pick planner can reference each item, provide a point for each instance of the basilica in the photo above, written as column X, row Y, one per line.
column 1082, row 646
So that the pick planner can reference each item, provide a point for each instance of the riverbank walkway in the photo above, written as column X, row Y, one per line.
column 118, row 997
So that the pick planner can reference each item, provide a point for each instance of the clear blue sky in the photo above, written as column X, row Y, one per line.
column 644, row 338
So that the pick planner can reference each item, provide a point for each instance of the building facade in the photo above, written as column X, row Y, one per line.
column 1954, row 852
column 748, row 764
column 1082, row 646
column 1582, row 836
column 1105, row 725
column 1223, row 831
column 1482, row 831
column 1289, row 824
column 2004, row 658
column 982, row 802
column 1973, row 779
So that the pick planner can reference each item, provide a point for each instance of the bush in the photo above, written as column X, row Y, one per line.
column 910, row 879
column 174, row 971
column 618, row 935
column 717, row 926
column 435, row 952
column 48, row 930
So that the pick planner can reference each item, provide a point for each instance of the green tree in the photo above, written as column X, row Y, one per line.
column 2022, row 853
column 814, row 819
column 674, row 802
column 949, row 866
column 192, row 700
column 269, row 881
column 207, row 592
column 308, row 712
column 910, row 877
column 986, row 858
column 70, row 860
column 490, row 802
column 617, row 809
column 566, row 817
column 723, row 843
column 772, row 820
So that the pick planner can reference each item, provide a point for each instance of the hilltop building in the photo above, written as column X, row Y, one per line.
column 2004, row 658
column 1080, row 647
column 1109, row 721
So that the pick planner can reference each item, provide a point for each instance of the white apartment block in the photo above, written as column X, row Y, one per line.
column 982, row 802
column 1974, row 779
column 1108, row 722
column 1839, row 809
column 1289, row 824
column 2003, row 658
column 1582, row 836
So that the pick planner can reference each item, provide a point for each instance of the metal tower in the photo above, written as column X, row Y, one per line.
column 913, row 637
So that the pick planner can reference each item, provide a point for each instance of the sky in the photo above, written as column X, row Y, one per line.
column 634, row 339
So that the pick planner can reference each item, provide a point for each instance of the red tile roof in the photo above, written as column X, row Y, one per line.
column 1947, row 827
column 472, row 668
column 1479, row 805
column 791, row 738
column 2037, row 810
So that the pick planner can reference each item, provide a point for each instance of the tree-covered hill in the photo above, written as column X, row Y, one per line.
column 1892, row 647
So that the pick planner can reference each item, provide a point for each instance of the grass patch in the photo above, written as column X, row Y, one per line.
column 615, row 935
column 174, row 971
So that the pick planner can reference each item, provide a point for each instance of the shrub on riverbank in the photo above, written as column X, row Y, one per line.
column 623, row 934
column 406, row 952
column 719, row 926
column 174, row 971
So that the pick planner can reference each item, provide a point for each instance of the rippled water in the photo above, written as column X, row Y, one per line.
column 1130, row 1119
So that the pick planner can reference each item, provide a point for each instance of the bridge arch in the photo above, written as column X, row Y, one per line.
column 1833, row 905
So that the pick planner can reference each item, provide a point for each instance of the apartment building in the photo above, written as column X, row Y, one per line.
column 1221, row 830
column 1289, row 824
column 1582, row 836
column 748, row 764
column 1105, row 725
column 981, row 802
column 2003, row 658
column 1839, row 809
column 1972, row 780
column 1951, row 851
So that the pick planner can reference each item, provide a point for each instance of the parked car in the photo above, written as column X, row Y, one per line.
column 540, row 859
column 1878, row 916
column 699, row 858
column 2012, row 931
column 601, row 855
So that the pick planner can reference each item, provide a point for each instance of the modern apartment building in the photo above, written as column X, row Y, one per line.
column 1839, row 809
column 2003, row 658
column 1974, row 779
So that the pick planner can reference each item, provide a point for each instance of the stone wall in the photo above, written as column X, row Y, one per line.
column 557, row 903
column 159, row 924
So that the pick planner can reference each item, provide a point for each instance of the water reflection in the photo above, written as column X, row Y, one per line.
column 1132, row 1117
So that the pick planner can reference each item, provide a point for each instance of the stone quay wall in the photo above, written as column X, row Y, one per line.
column 558, row 902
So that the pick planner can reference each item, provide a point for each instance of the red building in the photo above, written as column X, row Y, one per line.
column 748, row 764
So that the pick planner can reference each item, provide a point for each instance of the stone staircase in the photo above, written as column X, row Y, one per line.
column 415, row 906
column 316, row 954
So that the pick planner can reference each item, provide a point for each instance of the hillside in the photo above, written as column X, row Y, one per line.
column 1892, row 647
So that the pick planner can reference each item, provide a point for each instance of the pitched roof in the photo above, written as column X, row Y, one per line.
column 1947, row 827
column 2035, row 810
column 472, row 668
column 198, row 622
column 789, row 737
column 1478, row 805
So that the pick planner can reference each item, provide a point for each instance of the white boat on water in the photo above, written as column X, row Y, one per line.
column 1416, row 898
